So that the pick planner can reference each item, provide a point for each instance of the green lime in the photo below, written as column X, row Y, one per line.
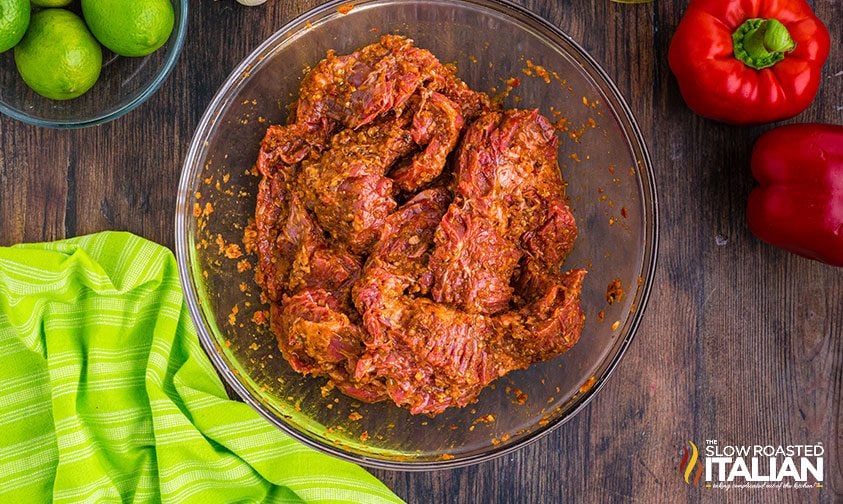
column 51, row 3
column 58, row 57
column 14, row 18
column 130, row 27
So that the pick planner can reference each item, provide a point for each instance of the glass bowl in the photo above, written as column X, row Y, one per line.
column 610, row 187
column 124, row 83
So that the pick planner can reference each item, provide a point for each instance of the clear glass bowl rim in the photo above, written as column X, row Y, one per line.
column 183, row 216
column 180, row 32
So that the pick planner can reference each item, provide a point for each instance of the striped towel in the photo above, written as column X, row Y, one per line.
column 106, row 395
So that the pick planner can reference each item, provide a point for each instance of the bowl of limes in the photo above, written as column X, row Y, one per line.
column 76, row 63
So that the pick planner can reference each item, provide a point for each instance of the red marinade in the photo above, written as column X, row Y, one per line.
column 410, row 234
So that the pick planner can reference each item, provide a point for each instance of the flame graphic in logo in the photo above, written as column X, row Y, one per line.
column 689, row 461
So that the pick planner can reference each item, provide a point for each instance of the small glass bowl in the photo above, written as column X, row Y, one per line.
column 611, row 190
column 124, row 83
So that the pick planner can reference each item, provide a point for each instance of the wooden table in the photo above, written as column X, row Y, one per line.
column 741, row 342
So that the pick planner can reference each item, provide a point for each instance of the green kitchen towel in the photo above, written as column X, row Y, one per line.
column 107, row 396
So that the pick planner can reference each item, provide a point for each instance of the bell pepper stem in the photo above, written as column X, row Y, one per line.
column 761, row 43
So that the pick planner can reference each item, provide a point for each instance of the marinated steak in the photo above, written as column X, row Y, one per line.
column 423, row 303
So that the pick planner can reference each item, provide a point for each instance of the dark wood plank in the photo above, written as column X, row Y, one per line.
column 742, row 342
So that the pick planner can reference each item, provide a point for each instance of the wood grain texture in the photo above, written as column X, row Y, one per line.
column 741, row 342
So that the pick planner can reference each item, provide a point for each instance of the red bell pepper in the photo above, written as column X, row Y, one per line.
column 748, row 61
column 799, row 205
